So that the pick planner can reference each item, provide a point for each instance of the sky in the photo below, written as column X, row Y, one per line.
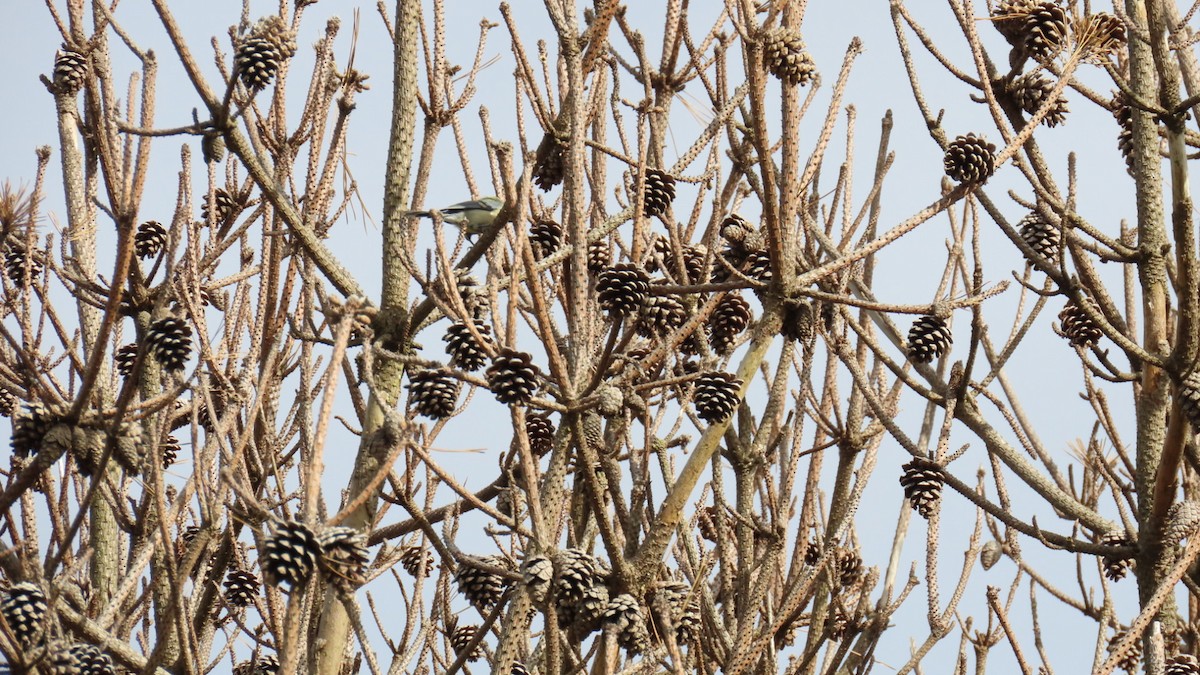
column 28, row 41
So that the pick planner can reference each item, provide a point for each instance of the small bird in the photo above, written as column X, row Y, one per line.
column 473, row 217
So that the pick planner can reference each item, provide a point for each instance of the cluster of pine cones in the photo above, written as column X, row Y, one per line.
column 24, row 607
column 578, row 587
column 627, row 292
column 291, row 554
column 1039, row 31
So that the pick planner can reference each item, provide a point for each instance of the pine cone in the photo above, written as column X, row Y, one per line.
column 17, row 262
column 170, row 341
column 798, row 321
column 708, row 522
column 928, row 339
column 1116, row 565
column 812, row 552
column 716, row 396
column 785, row 56
column 685, row 612
column 586, row 617
column 212, row 147
column 742, row 240
column 657, row 254
column 433, row 392
column 151, row 236
column 1077, row 326
column 1189, row 397
column 344, row 556
column 29, row 428
column 124, row 358
column 548, row 165
column 290, row 554
column 839, row 624
column 1032, row 90
column 1045, row 31
column 1040, row 235
column 1129, row 660
column 129, row 450
column 630, row 364
column 688, row 623
column 260, row 53
column 545, row 237
column 1009, row 19
column 207, row 298
column 1182, row 664
column 624, row 616
column 540, row 431
column 599, row 256
column 989, row 554
column 24, row 608
column 411, row 558
column 660, row 315
column 758, row 266
column 241, row 587
column 537, row 573
column 692, row 346
column 87, row 445
column 1173, row 636
column 1101, row 35
column 575, row 572
column 509, row 503
column 170, row 450
column 693, row 264
column 1123, row 113
column 261, row 664
column 474, row 296
column 186, row 537
column 512, row 377
column 226, row 207
column 461, row 638
column 610, row 403
column 481, row 587
column 8, row 403
column 1183, row 519
column 622, row 288
column 970, row 160
column 730, row 317
column 922, row 481
column 659, row 192
column 593, row 430
column 208, row 418
column 464, row 350
column 70, row 70
column 81, row 659
column 849, row 566
column 829, row 315
column 737, row 231
column 181, row 414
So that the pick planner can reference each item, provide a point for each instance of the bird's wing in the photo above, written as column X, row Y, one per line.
column 472, row 205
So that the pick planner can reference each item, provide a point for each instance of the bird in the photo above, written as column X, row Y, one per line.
column 473, row 217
